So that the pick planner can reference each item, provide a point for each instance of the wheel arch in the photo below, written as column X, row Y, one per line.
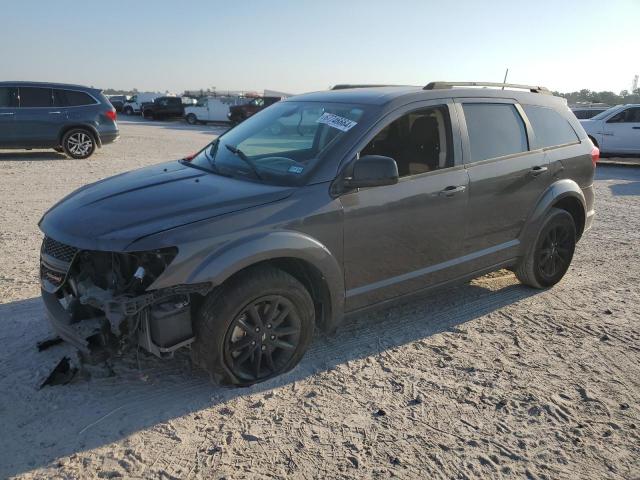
column 303, row 257
column 84, row 126
column 565, row 194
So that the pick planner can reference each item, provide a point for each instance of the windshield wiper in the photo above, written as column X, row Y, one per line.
column 236, row 151
column 212, row 155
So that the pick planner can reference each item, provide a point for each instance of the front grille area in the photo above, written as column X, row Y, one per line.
column 58, row 250
column 51, row 279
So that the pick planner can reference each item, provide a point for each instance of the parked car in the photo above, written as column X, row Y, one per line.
column 118, row 101
column 163, row 107
column 68, row 118
column 211, row 109
column 616, row 130
column 586, row 112
column 242, row 249
column 134, row 104
column 239, row 113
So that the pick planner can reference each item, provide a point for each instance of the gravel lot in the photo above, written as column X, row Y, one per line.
column 486, row 379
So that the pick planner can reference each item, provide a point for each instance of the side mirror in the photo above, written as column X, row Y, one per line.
column 373, row 171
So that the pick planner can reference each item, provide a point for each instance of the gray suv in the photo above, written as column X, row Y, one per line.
column 319, row 206
column 68, row 118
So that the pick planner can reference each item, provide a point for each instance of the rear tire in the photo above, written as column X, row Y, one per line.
column 256, row 327
column 549, row 258
column 78, row 143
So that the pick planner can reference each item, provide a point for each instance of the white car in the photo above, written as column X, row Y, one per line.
column 211, row 109
column 615, row 131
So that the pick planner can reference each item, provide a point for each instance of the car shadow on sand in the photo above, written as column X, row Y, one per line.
column 24, row 156
column 213, row 128
column 139, row 391
column 629, row 178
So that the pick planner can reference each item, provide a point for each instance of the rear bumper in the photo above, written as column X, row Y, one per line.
column 109, row 137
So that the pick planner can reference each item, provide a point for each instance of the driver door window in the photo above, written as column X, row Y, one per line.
column 419, row 141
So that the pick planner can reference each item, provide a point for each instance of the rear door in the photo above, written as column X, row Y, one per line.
column 37, row 120
column 621, row 133
column 506, row 177
column 8, row 108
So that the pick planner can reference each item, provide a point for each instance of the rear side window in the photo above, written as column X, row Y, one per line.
column 550, row 127
column 71, row 98
column 495, row 130
column 8, row 97
column 35, row 97
column 630, row 115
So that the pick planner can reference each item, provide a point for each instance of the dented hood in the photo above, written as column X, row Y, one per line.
column 112, row 213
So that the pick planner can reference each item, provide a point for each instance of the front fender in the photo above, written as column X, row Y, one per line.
column 556, row 192
column 222, row 263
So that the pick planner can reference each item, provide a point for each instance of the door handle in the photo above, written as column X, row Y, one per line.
column 7, row 113
column 537, row 170
column 451, row 190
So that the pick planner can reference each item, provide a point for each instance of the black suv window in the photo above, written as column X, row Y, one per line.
column 419, row 141
column 71, row 98
column 35, row 97
column 550, row 127
column 8, row 97
column 630, row 115
column 495, row 130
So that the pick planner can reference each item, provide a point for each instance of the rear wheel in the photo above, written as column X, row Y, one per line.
column 78, row 143
column 549, row 258
column 256, row 327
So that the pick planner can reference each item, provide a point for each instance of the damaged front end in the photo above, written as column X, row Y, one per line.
column 97, row 299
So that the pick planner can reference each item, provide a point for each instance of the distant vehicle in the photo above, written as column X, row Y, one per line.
column 244, row 249
column 212, row 109
column 163, row 107
column 616, row 130
column 240, row 113
column 118, row 101
column 583, row 112
column 68, row 118
column 134, row 104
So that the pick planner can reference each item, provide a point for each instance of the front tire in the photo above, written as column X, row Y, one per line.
column 192, row 119
column 549, row 257
column 256, row 327
column 128, row 111
column 78, row 143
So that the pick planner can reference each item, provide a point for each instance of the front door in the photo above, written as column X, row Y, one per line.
column 404, row 237
column 8, row 104
column 506, row 178
column 621, row 133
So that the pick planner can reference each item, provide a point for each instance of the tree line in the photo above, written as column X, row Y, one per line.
column 610, row 98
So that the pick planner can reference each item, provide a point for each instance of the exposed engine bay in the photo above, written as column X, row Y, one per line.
column 102, row 301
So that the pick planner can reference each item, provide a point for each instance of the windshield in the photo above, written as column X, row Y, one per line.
column 281, row 143
column 604, row 114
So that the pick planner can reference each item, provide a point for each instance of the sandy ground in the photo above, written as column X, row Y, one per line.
column 489, row 379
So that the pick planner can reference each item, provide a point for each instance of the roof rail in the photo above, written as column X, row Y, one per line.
column 344, row 86
column 443, row 85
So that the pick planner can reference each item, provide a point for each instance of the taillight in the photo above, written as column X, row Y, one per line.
column 595, row 155
column 188, row 158
column 111, row 114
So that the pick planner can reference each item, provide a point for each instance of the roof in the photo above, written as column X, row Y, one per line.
column 48, row 85
column 385, row 95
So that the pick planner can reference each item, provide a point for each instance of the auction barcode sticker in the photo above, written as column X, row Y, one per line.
column 335, row 121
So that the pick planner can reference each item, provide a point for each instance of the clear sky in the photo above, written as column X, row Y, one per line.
column 304, row 45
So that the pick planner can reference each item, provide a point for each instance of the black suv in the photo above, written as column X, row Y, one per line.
column 366, row 195
column 163, row 107
column 68, row 118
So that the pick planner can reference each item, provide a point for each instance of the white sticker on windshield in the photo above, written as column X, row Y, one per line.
column 334, row 121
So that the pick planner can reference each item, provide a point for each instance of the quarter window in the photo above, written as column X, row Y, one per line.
column 35, row 97
column 495, row 130
column 8, row 97
column 419, row 141
column 72, row 98
column 550, row 127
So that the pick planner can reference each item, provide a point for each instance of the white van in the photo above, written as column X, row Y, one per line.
column 212, row 109
column 134, row 104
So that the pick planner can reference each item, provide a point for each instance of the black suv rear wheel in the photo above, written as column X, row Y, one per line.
column 549, row 258
column 256, row 327
column 78, row 143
